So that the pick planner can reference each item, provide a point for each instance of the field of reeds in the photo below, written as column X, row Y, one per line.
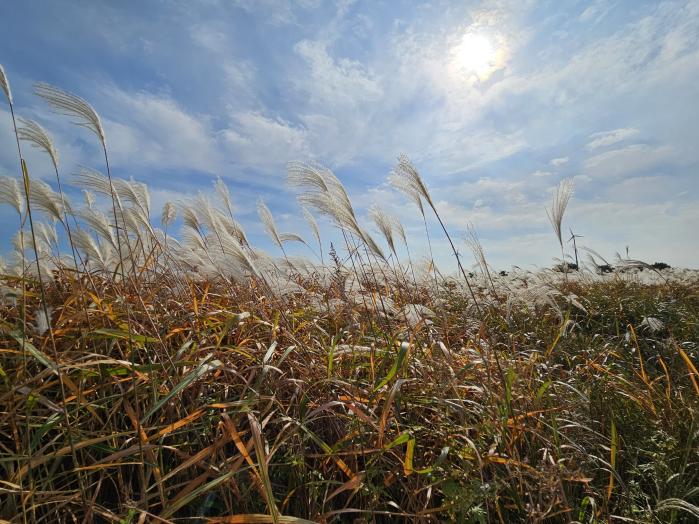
column 148, row 375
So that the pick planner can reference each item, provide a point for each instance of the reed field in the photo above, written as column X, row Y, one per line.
column 155, row 366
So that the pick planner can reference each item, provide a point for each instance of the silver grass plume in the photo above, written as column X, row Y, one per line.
column 133, row 220
column 169, row 214
column 477, row 249
column 233, row 228
column 89, row 198
column 268, row 222
column 405, row 178
column 10, row 193
column 230, row 246
column 87, row 244
column 229, row 222
column 291, row 237
column 5, row 84
column 68, row 104
column 398, row 226
column 38, row 137
column 313, row 224
column 94, row 180
column 192, row 239
column 371, row 243
column 191, row 218
column 207, row 213
column 47, row 233
column 136, row 193
column 99, row 223
column 561, row 197
column 323, row 191
column 48, row 200
column 592, row 253
column 224, row 194
column 18, row 241
column 384, row 224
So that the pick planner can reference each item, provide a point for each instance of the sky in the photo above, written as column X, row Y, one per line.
column 494, row 101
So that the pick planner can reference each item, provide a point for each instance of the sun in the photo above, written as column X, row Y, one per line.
column 477, row 56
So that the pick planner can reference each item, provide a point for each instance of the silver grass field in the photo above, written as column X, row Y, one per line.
column 155, row 366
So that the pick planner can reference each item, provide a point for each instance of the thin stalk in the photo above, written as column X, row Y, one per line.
column 69, row 434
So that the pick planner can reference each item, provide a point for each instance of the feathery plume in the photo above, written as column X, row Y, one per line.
column 10, row 193
column 99, row 223
column 560, row 201
column 371, row 243
column 5, row 84
column 224, row 194
column 231, row 247
column 68, row 104
column 398, row 226
column 268, row 222
column 233, row 228
column 406, row 178
column 47, row 200
column 38, row 137
column 89, row 198
column 87, row 244
column 291, row 237
column 135, row 193
column 190, row 218
column 94, row 180
column 312, row 223
column 323, row 191
column 384, row 224
column 169, row 214
column 47, row 233
column 477, row 249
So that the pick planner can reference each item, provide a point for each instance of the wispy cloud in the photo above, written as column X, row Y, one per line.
column 609, row 138
column 633, row 159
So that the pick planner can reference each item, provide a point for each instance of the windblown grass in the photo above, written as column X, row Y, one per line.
column 161, row 378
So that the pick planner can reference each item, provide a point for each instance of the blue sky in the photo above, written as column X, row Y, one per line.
column 495, row 102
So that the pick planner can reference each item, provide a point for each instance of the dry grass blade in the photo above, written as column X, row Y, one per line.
column 263, row 466
column 199, row 371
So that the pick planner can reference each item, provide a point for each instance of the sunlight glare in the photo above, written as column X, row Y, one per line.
column 477, row 56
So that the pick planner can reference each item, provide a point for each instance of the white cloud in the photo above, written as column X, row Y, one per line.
column 557, row 162
column 260, row 142
column 608, row 138
column 541, row 173
column 633, row 159
column 341, row 81
column 149, row 130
